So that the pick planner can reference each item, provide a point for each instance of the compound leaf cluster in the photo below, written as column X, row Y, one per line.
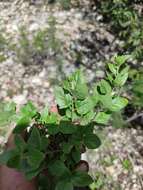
column 54, row 141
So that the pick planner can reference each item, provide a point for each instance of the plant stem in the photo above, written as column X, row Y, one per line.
column 135, row 116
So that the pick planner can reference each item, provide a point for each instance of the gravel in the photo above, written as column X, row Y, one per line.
column 119, row 145
column 79, row 34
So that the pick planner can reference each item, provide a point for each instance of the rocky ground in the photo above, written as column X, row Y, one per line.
column 118, row 164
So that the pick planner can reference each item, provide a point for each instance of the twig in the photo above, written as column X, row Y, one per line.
column 140, row 181
column 135, row 116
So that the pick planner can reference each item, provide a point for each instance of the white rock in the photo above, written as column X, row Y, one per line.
column 138, row 169
column 42, row 74
column 111, row 170
column 100, row 74
column 84, row 157
column 33, row 27
column 36, row 81
column 19, row 99
column 100, row 17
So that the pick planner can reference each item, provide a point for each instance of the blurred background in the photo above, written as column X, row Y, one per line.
column 43, row 41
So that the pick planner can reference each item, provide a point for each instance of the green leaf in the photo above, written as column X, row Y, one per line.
column 22, row 124
column 57, row 168
column 29, row 110
column 35, row 139
column 92, row 141
column 81, row 89
column 88, row 118
column 109, row 77
column 44, row 115
column 81, row 179
column 77, row 86
column 120, row 60
column 76, row 155
column 32, row 173
column 67, row 127
column 84, row 106
column 76, row 137
column 117, row 120
column 35, row 157
column 66, row 147
column 105, row 87
column 137, row 87
column 69, row 113
column 24, row 165
column 7, row 113
column 67, row 85
column 20, row 143
column 14, row 162
column 75, row 117
column 53, row 118
column 87, row 129
column 98, row 184
column 122, row 77
column 11, row 158
column 95, row 97
column 118, row 103
column 112, row 68
column 6, row 156
column 28, row 170
column 11, row 106
column 52, row 129
column 106, row 100
column 63, row 157
column 62, row 99
column 102, row 118
column 64, row 185
column 44, row 143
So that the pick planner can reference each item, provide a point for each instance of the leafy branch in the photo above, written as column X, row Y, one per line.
column 55, row 140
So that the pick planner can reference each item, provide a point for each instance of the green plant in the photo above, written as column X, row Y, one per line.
column 125, row 21
column 23, row 49
column 42, row 45
column 133, row 112
column 99, row 182
column 132, row 115
column 2, row 42
column 64, row 3
column 104, row 181
column 118, row 120
column 55, row 141
column 136, row 87
column 108, row 160
column 53, row 41
column 3, row 46
column 127, row 165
